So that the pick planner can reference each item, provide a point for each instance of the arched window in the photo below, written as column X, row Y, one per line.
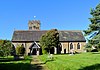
column 22, row 45
column 78, row 46
column 71, row 46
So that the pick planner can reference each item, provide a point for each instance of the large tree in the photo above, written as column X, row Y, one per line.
column 49, row 39
column 94, row 26
column 5, row 47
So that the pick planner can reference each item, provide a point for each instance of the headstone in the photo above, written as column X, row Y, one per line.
column 50, row 56
column 72, row 52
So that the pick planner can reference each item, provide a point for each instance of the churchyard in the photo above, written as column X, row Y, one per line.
column 83, row 61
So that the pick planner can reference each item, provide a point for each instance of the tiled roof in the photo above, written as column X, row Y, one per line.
column 27, row 35
column 71, row 36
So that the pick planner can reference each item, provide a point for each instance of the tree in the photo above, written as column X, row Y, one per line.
column 13, row 50
column 94, row 26
column 49, row 39
column 5, row 47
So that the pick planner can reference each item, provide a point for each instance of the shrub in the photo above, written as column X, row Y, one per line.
column 44, row 51
column 1, row 53
column 20, row 50
column 88, row 49
column 5, row 47
column 13, row 50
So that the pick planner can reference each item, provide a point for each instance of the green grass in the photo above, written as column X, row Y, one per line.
column 10, row 64
column 84, row 61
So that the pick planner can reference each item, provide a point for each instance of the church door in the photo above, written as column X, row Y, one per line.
column 34, row 52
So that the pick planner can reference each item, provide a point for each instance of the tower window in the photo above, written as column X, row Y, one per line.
column 30, row 27
column 34, row 27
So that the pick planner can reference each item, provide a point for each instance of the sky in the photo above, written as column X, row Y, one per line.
column 59, row 14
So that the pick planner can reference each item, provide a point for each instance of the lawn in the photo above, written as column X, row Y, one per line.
column 83, row 61
column 10, row 64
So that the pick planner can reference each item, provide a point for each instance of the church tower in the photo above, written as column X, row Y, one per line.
column 34, row 25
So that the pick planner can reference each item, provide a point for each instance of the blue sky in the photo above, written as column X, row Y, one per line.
column 60, row 14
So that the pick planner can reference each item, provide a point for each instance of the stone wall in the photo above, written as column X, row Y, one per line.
column 26, row 45
column 66, row 46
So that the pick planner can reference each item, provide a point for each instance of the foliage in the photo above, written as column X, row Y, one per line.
column 13, row 50
column 83, row 61
column 49, row 39
column 88, row 49
column 88, row 45
column 20, row 50
column 5, row 47
column 94, row 26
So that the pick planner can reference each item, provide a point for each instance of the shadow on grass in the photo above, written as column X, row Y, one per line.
column 9, row 59
column 14, row 66
column 95, row 52
column 92, row 67
column 48, row 61
column 36, row 67
column 11, row 64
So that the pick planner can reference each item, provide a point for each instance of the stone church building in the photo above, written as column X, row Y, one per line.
column 70, row 40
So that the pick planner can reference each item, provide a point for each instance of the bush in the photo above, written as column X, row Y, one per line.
column 88, row 49
column 13, row 50
column 1, row 53
column 98, row 49
column 20, row 50
column 44, row 51
column 5, row 47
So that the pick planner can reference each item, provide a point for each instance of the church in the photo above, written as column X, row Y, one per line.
column 70, row 40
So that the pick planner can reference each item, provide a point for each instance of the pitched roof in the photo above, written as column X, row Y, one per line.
column 28, row 35
column 34, row 45
column 71, row 36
